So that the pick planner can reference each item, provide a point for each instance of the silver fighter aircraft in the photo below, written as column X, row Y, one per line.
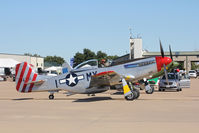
column 88, row 78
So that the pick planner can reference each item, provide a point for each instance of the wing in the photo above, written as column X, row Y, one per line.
column 107, row 78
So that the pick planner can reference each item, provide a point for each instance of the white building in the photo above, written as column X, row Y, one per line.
column 37, row 62
column 135, row 48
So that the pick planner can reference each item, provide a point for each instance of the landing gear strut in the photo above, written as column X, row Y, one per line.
column 130, row 92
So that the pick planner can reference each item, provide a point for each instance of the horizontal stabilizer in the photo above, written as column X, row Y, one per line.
column 39, row 82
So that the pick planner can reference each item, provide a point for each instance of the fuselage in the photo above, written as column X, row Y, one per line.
column 78, row 80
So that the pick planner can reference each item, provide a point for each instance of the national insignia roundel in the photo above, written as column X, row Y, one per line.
column 71, row 79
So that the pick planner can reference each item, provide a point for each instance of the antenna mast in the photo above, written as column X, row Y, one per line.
column 130, row 31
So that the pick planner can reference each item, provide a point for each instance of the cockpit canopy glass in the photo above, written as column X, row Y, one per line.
column 87, row 64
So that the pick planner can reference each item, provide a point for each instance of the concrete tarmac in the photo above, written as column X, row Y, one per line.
column 161, row 112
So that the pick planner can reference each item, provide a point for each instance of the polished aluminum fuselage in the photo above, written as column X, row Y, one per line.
column 136, row 70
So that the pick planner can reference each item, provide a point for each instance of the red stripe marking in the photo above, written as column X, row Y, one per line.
column 158, row 62
column 103, row 73
column 26, row 80
column 32, row 84
column 21, row 75
column 16, row 70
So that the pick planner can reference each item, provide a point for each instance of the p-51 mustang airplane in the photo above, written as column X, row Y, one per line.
column 88, row 78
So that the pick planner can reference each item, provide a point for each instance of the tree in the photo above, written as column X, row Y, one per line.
column 88, row 54
column 181, row 65
column 29, row 54
column 112, row 57
column 194, row 66
column 78, row 58
column 101, row 55
column 54, row 60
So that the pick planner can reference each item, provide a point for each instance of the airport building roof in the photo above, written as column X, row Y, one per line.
column 176, row 53
column 21, row 55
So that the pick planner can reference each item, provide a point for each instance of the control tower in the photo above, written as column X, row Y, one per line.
column 135, row 47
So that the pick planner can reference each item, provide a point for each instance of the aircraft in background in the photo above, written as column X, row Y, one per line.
column 88, row 78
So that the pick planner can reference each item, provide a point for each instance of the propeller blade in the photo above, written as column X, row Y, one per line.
column 161, row 50
column 166, row 74
column 170, row 53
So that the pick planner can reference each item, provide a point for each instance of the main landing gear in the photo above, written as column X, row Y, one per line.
column 130, row 93
column 134, row 95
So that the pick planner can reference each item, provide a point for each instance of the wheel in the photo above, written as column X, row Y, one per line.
column 159, row 89
column 150, row 91
column 179, row 89
column 163, row 89
column 130, row 96
column 51, row 96
column 137, row 93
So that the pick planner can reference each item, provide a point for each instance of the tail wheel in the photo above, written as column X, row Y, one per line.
column 51, row 96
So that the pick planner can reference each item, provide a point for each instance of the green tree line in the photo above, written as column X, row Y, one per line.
column 88, row 54
column 78, row 58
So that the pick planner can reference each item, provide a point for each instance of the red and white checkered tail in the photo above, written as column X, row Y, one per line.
column 24, row 75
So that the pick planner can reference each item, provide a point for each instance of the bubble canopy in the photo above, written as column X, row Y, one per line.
column 87, row 64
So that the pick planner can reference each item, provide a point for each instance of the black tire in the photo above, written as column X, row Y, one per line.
column 179, row 89
column 159, row 89
column 51, row 97
column 130, row 97
column 137, row 93
column 150, row 91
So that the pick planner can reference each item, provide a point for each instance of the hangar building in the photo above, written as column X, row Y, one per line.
column 37, row 62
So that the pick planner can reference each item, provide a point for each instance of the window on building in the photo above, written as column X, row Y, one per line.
column 37, row 64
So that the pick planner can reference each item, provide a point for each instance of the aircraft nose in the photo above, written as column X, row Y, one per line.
column 161, row 61
column 166, row 60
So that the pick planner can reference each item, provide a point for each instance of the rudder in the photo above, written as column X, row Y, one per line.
column 23, row 75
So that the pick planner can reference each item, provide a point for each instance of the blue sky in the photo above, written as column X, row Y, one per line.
column 63, row 27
